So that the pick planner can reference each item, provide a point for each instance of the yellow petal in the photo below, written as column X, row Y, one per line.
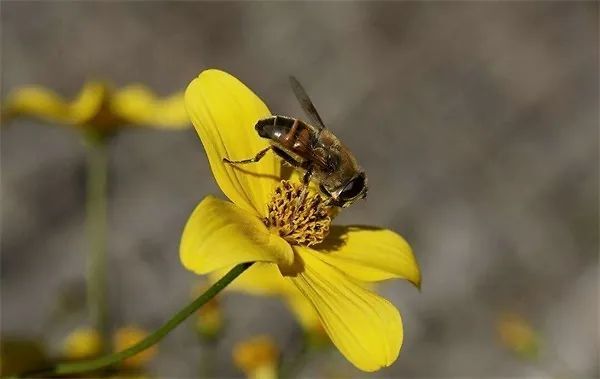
column 265, row 279
column 224, row 112
column 219, row 234
column 370, row 254
column 366, row 328
column 303, row 309
column 137, row 105
column 42, row 103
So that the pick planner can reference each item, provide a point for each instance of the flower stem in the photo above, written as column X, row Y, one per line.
column 97, row 169
column 152, row 339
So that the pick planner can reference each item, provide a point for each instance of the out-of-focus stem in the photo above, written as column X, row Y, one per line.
column 152, row 339
column 96, row 223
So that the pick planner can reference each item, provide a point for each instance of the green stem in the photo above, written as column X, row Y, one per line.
column 97, row 163
column 152, row 339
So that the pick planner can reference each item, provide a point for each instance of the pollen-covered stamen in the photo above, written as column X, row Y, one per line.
column 300, row 221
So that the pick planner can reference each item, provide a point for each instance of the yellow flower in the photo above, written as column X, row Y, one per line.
column 324, row 283
column 98, row 107
column 82, row 343
column 128, row 336
column 257, row 357
column 517, row 334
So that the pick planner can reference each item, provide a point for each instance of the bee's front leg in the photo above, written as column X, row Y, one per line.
column 254, row 159
column 307, row 176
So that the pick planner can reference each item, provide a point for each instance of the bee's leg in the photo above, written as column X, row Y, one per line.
column 291, row 134
column 255, row 159
column 305, row 182
column 329, row 202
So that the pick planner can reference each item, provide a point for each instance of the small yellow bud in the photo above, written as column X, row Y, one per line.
column 209, row 321
column 82, row 343
column 517, row 334
column 257, row 357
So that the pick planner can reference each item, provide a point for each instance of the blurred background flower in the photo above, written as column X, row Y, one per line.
column 82, row 343
column 257, row 357
column 98, row 108
column 209, row 319
column 517, row 335
column 98, row 112
column 128, row 336
column 476, row 122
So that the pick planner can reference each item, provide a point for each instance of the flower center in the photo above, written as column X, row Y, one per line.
column 301, row 218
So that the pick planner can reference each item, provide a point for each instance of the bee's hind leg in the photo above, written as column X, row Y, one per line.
column 254, row 159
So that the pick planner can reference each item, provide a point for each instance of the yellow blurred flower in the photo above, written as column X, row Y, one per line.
column 129, row 336
column 257, row 357
column 324, row 283
column 98, row 107
column 517, row 334
column 82, row 343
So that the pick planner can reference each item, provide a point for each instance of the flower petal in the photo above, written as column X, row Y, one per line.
column 370, row 254
column 366, row 328
column 218, row 234
column 45, row 104
column 303, row 310
column 224, row 112
column 138, row 105
column 262, row 279
column 265, row 279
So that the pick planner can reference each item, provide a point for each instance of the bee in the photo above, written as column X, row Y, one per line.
column 313, row 149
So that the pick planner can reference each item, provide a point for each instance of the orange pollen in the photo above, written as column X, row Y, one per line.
column 298, row 216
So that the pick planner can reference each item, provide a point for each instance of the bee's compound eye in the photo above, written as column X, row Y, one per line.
column 354, row 188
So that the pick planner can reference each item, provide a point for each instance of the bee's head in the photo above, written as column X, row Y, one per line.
column 353, row 190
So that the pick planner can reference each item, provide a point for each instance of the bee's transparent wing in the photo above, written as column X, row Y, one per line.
column 306, row 104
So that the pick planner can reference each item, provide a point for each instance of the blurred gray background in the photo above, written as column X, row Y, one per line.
column 477, row 124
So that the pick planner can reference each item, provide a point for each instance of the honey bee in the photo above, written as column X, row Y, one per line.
column 313, row 149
